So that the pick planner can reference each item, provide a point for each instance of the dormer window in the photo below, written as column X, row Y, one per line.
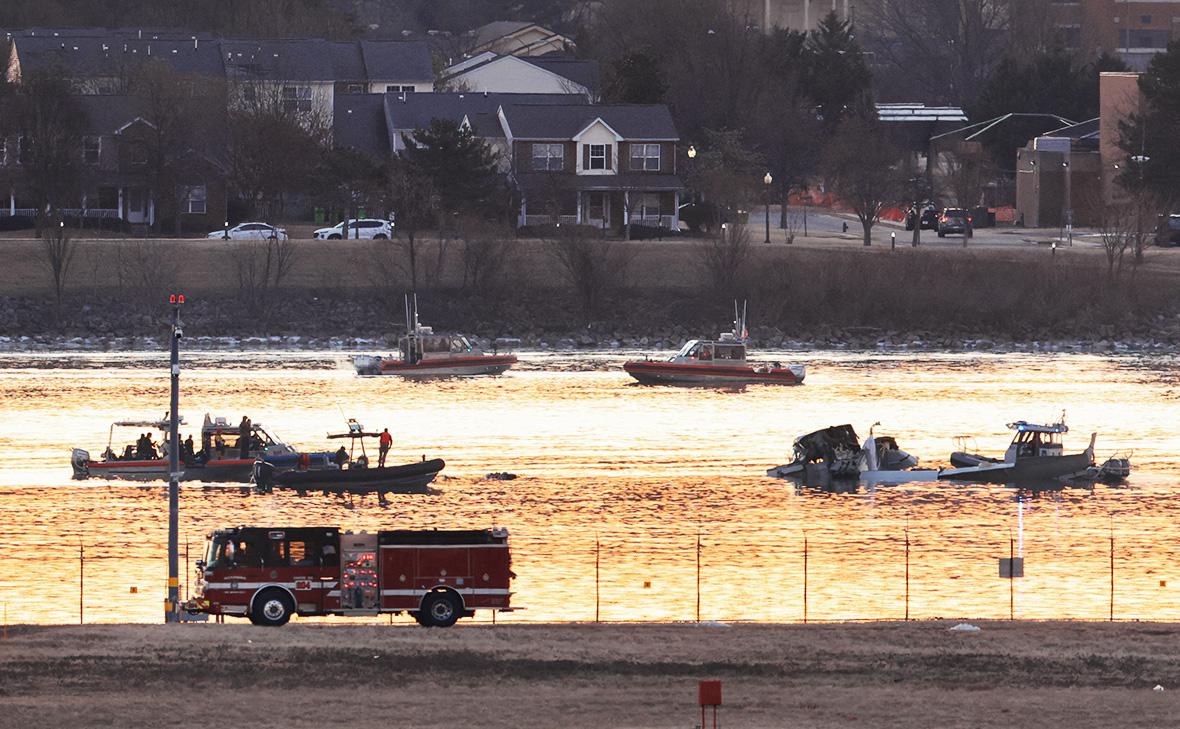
column 596, row 156
column 548, row 157
column 139, row 155
column 297, row 99
column 357, row 89
column 645, row 157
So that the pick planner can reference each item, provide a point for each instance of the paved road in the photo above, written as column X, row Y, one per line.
column 831, row 225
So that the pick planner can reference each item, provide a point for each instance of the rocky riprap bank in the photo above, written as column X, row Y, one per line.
column 637, row 324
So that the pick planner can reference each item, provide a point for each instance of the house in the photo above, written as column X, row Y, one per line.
column 548, row 74
column 515, row 38
column 117, row 174
column 307, row 75
column 303, row 75
column 477, row 111
column 600, row 165
column 1059, row 177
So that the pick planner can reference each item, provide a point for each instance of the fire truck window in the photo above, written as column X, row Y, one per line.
column 298, row 554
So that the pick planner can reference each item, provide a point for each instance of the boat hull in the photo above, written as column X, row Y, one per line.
column 457, row 367
column 404, row 478
column 225, row 471
column 674, row 373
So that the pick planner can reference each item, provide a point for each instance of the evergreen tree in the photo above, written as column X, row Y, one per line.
column 837, row 76
column 1149, row 138
column 460, row 166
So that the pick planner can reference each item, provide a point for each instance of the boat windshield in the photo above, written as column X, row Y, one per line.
column 460, row 344
column 689, row 348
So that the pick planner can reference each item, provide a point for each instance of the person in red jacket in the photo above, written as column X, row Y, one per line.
column 386, row 443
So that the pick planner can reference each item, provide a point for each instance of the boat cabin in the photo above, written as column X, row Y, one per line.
column 425, row 344
column 1033, row 440
column 726, row 350
column 220, row 437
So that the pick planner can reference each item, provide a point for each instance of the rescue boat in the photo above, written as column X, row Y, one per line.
column 423, row 353
column 218, row 460
column 720, row 362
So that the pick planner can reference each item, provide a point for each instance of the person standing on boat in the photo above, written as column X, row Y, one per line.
column 244, row 437
column 386, row 444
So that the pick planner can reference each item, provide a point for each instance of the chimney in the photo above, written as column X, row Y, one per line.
column 194, row 43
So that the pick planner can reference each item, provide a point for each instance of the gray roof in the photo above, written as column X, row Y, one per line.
column 626, row 181
column 112, row 56
column 575, row 69
column 631, row 121
column 397, row 60
column 100, row 53
column 358, row 121
column 414, row 111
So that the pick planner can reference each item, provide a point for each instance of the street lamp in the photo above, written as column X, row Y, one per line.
column 692, row 152
column 767, row 180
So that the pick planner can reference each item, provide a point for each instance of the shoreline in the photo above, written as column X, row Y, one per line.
column 1018, row 674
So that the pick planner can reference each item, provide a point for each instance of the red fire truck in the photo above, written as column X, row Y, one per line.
column 270, row 574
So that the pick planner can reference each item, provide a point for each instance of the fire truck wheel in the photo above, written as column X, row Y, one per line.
column 440, row 610
column 271, row 607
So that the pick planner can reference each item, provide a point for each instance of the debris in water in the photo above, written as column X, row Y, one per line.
column 501, row 476
column 1158, row 688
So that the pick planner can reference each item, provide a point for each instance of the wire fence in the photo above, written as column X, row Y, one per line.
column 702, row 577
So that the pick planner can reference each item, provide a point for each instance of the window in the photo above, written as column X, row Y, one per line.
column 192, row 199
column 549, row 157
column 138, row 154
column 357, row 89
column 645, row 157
column 90, row 149
column 4, row 151
column 1144, row 38
column 596, row 156
column 249, row 94
column 297, row 98
column 23, row 149
column 396, row 89
column 649, row 206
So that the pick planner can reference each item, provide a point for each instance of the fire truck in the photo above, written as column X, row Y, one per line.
column 437, row 577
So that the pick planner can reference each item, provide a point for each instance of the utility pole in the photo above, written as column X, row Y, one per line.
column 171, row 604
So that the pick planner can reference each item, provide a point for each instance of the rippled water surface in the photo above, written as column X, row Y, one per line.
column 627, row 477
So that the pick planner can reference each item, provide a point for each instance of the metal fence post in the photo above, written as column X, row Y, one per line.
column 698, row 576
column 597, row 552
column 1012, row 579
column 1112, row 578
column 804, row 577
column 81, row 581
column 907, row 574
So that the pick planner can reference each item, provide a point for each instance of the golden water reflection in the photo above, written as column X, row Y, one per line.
column 637, row 471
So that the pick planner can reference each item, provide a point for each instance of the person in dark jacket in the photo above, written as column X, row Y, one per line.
column 244, row 432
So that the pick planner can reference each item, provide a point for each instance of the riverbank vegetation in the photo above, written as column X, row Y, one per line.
column 660, row 292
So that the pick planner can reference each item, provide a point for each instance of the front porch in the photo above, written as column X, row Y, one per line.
column 609, row 210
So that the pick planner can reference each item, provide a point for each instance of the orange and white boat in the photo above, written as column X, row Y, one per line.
column 715, row 362
column 422, row 353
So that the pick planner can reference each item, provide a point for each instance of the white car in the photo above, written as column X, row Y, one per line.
column 250, row 231
column 370, row 228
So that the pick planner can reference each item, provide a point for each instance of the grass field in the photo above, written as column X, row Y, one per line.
column 1075, row 675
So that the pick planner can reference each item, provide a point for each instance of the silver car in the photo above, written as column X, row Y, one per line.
column 250, row 231
column 370, row 228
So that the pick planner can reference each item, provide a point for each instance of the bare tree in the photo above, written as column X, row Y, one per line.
column 592, row 265
column 143, row 275
column 413, row 199
column 57, row 253
column 725, row 258
column 863, row 167
column 261, row 267
column 486, row 251
column 1117, row 230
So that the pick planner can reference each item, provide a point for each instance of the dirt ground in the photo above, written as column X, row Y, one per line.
column 1076, row 675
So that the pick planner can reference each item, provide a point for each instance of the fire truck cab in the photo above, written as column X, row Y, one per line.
column 270, row 574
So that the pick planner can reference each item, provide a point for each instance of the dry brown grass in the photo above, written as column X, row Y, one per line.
column 880, row 675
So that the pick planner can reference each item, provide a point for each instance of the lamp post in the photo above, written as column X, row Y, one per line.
column 171, row 611
column 1068, row 201
column 767, row 180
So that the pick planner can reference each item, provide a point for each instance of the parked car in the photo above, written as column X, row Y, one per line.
column 954, row 220
column 1167, row 231
column 371, row 228
column 250, row 231
column 927, row 221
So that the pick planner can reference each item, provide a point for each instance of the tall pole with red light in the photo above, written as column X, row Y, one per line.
column 171, row 605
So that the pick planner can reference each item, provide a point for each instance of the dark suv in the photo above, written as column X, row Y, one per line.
column 1167, row 231
column 928, row 220
column 954, row 220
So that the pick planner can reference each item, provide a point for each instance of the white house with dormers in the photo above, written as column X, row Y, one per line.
column 604, row 166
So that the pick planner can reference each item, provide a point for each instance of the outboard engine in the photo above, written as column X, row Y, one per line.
column 78, row 461
column 263, row 476
column 367, row 364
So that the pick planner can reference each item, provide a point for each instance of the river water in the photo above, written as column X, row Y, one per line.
column 627, row 478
